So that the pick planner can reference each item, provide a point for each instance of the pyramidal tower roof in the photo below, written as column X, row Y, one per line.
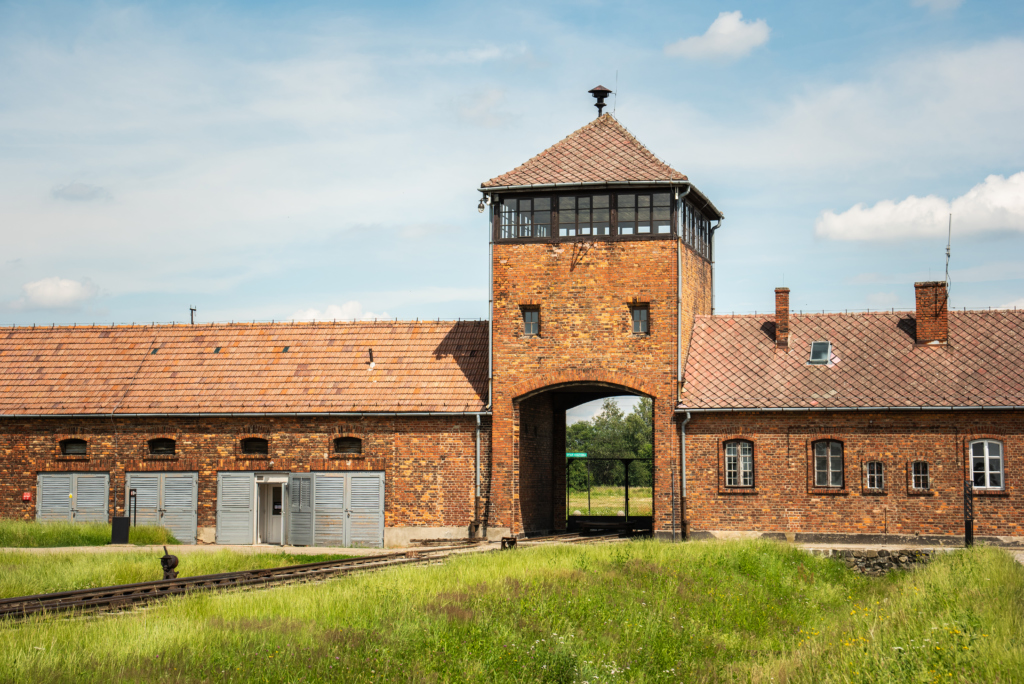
column 601, row 151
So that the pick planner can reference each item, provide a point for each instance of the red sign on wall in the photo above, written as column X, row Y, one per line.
column 27, row 496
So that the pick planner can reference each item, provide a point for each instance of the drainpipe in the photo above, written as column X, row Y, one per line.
column 679, row 288
column 490, row 304
column 712, row 248
column 476, row 501
column 682, row 472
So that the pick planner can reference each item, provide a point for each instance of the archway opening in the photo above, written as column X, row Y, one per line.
column 585, row 459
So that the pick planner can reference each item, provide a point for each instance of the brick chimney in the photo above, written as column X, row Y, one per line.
column 782, row 318
column 932, row 313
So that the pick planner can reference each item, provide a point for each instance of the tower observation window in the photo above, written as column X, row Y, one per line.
column 645, row 214
column 695, row 229
column 584, row 216
column 525, row 218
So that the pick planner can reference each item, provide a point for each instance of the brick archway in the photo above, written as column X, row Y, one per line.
column 586, row 376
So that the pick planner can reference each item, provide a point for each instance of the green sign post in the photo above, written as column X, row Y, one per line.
column 575, row 454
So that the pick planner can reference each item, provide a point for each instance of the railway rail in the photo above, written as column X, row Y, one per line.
column 122, row 596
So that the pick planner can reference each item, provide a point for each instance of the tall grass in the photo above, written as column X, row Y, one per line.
column 32, row 534
column 637, row 612
column 24, row 574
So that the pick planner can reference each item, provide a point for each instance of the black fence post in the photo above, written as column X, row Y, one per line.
column 968, row 513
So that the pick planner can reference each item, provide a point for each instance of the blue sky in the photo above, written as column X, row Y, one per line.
column 285, row 160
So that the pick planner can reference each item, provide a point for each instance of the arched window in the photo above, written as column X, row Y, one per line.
column 987, row 464
column 920, row 474
column 255, row 445
column 739, row 463
column 73, row 447
column 161, row 447
column 875, row 476
column 348, row 445
column 828, row 464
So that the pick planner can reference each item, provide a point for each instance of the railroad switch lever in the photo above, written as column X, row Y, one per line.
column 168, row 563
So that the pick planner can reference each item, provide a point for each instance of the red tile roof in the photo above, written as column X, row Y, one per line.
column 97, row 370
column 732, row 362
column 601, row 151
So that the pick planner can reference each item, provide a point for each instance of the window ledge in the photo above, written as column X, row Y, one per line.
column 991, row 492
column 159, row 458
column 346, row 457
column 921, row 492
column 72, row 458
column 738, row 490
column 822, row 491
column 874, row 492
column 253, row 457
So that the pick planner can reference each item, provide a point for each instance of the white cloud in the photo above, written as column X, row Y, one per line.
column 80, row 192
column 728, row 37
column 55, row 293
column 937, row 5
column 349, row 311
column 1016, row 304
column 995, row 204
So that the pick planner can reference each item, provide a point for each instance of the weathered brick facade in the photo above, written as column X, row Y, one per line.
column 583, row 291
column 428, row 461
column 784, row 500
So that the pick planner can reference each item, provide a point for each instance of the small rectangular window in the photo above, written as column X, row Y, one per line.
column 987, row 464
column 875, row 479
column 921, row 479
column 531, row 321
column 820, row 352
column 739, row 464
column 525, row 218
column 641, row 322
column 828, row 464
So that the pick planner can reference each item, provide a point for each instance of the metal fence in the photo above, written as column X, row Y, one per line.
column 609, row 487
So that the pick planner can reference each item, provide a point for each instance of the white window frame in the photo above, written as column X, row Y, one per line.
column 829, row 470
column 874, row 481
column 922, row 485
column 739, row 464
column 828, row 353
column 986, row 457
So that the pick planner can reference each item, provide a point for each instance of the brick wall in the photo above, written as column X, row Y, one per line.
column 428, row 462
column 784, row 499
column 584, row 291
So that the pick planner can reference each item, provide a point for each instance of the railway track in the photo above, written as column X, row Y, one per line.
column 122, row 596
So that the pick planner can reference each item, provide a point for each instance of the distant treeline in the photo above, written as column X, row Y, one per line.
column 612, row 434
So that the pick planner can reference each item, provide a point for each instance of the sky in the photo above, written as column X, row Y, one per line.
column 272, row 161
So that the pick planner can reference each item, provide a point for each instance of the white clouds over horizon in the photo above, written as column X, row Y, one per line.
column 728, row 37
column 996, row 204
column 349, row 311
column 56, row 293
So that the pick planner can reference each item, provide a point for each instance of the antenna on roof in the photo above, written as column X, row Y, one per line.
column 192, row 315
column 949, row 237
column 599, row 93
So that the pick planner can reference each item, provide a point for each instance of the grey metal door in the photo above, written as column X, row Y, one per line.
column 73, row 497
column 365, row 520
column 329, row 509
column 178, row 503
column 90, row 502
column 147, row 498
column 300, row 509
column 235, row 494
column 53, row 497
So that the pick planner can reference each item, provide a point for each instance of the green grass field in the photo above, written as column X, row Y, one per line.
column 609, row 500
column 632, row 612
column 31, row 534
column 23, row 573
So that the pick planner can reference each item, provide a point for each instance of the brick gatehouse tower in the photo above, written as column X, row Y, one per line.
column 601, row 258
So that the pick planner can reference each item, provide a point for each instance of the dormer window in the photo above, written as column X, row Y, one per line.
column 821, row 352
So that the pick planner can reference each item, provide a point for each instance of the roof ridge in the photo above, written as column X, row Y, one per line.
column 234, row 324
